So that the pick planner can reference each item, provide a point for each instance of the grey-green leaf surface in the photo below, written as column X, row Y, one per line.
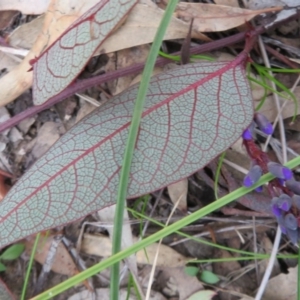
column 191, row 114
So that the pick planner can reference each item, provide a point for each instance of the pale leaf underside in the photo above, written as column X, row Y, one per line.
column 191, row 115
column 61, row 63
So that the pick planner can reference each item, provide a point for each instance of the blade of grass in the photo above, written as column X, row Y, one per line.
column 29, row 267
column 131, row 140
column 158, row 235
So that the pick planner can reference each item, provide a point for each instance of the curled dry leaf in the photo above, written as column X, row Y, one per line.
column 211, row 17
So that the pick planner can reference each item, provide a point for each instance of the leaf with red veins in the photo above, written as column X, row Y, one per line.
column 191, row 114
column 61, row 63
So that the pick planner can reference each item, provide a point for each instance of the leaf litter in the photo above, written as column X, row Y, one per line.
column 203, row 195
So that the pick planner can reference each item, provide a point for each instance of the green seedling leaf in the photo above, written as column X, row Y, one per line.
column 12, row 252
column 191, row 270
column 203, row 295
column 61, row 63
column 191, row 115
column 2, row 267
column 209, row 277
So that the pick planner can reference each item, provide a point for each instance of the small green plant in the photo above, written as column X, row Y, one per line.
column 205, row 275
column 11, row 253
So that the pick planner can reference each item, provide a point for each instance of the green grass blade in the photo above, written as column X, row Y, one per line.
column 131, row 140
column 158, row 235
column 29, row 267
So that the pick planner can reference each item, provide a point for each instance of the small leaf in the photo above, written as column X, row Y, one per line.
column 13, row 252
column 209, row 277
column 203, row 295
column 2, row 267
column 61, row 63
column 191, row 270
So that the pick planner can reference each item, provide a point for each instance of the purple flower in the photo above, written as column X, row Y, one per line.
column 280, row 171
column 253, row 176
column 284, row 202
column 259, row 189
column 277, row 212
column 247, row 135
column 263, row 123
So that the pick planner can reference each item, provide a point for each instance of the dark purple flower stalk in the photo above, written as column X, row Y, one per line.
column 284, row 190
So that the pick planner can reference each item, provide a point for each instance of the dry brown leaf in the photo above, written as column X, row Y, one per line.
column 100, row 245
column 177, row 281
column 139, row 28
column 232, row 3
column 25, row 35
column 104, row 294
column 178, row 192
column 211, row 17
column 27, row 7
column 63, row 263
column 6, row 18
column 283, row 286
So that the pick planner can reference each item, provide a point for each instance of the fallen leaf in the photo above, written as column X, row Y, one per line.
column 24, row 36
column 63, row 262
column 283, row 286
column 100, row 245
column 232, row 3
column 176, row 281
column 26, row 7
column 178, row 192
column 48, row 134
column 103, row 294
column 211, row 17
column 6, row 18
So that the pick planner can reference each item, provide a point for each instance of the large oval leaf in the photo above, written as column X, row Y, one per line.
column 191, row 114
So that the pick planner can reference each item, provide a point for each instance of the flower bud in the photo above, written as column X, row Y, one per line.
column 247, row 135
column 280, row 171
column 259, row 189
column 296, row 201
column 275, row 209
column 263, row 123
column 290, row 221
column 293, row 235
column 253, row 176
column 284, row 202
column 293, row 185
